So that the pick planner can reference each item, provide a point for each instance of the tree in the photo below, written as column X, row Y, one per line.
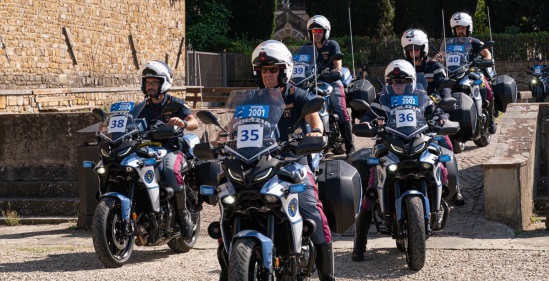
column 252, row 19
column 413, row 14
column 481, row 18
column 207, row 24
column 336, row 11
column 372, row 18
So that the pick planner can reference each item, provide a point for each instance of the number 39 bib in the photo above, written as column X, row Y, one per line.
column 406, row 117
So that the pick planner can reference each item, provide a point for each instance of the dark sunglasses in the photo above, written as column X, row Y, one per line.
column 399, row 81
column 270, row 69
column 413, row 47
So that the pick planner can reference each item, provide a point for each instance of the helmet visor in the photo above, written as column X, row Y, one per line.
column 148, row 71
column 317, row 31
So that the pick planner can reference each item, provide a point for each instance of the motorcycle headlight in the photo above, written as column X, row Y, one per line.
column 234, row 176
column 397, row 149
column 264, row 174
column 418, row 148
column 124, row 152
column 533, row 81
column 228, row 200
column 271, row 198
column 426, row 166
column 100, row 170
column 105, row 152
column 392, row 167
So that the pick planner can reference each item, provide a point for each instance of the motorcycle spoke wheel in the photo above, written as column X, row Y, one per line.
column 112, row 244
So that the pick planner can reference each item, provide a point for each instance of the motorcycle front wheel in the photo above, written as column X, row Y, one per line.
column 180, row 245
column 538, row 94
column 246, row 261
column 112, row 244
column 415, row 231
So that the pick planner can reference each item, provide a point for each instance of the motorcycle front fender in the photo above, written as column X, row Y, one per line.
column 399, row 204
column 266, row 245
column 124, row 202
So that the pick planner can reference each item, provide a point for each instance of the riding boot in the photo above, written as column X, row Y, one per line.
column 223, row 260
column 183, row 215
column 325, row 261
column 347, row 135
column 362, row 226
column 493, row 126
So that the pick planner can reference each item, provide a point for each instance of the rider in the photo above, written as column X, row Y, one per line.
column 318, row 28
column 415, row 45
column 272, row 63
column 462, row 26
column 400, row 76
column 156, row 80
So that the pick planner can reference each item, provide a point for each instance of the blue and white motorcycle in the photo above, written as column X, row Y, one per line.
column 264, row 236
column 135, row 206
column 408, row 202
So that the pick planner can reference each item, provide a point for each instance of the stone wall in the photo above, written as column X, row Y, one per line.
column 99, row 32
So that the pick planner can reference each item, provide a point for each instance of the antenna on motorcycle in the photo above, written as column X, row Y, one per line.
column 351, row 34
column 490, row 29
column 315, row 70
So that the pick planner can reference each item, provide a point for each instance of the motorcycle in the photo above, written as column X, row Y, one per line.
column 471, row 111
column 538, row 83
column 408, row 200
column 304, row 76
column 134, row 203
column 264, row 236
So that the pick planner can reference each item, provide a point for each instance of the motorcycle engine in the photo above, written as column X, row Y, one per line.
column 303, row 260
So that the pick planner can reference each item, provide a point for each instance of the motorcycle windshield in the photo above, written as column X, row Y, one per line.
column 537, row 70
column 253, row 126
column 121, row 120
column 457, row 52
column 304, row 63
column 405, row 112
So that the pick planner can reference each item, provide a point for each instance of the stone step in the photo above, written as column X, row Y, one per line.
column 31, row 189
column 41, row 220
column 45, row 206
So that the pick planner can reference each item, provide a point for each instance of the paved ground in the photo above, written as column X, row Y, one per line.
column 470, row 248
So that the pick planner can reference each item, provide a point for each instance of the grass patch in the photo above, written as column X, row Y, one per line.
column 72, row 227
column 11, row 217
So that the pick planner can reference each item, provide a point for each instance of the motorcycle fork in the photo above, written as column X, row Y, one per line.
column 129, row 224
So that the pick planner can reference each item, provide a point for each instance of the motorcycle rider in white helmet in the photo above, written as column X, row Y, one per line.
column 156, row 80
column 318, row 29
column 272, row 65
column 400, row 77
column 462, row 26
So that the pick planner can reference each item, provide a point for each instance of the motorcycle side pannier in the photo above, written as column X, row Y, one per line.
column 505, row 91
column 362, row 89
column 466, row 114
column 207, row 174
column 340, row 192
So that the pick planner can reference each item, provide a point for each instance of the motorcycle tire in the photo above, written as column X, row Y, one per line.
column 246, row 261
column 458, row 146
column 484, row 140
column 112, row 246
column 180, row 245
column 415, row 232
column 538, row 94
column 338, row 150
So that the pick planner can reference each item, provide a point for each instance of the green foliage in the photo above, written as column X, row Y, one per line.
column 252, row 18
column 372, row 18
column 10, row 217
column 207, row 26
column 480, row 19
column 336, row 11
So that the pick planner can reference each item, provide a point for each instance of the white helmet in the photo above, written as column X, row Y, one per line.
column 272, row 52
column 461, row 19
column 319, row 21
column 157, row 69
column 415, row 37
column 399, row 69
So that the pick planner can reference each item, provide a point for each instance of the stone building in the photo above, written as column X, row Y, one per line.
column 291, row 21
column 86, row 43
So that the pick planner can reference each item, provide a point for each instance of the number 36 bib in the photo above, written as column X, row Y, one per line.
column 406, row 117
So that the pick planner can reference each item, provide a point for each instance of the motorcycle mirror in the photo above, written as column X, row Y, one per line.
column 448, row 83
column 358, row 104
column 171, row 107
column 99, row 113
column 488, row 45
column 447, row 104
column 209, row 119
column 313, row 105
column 486, row 63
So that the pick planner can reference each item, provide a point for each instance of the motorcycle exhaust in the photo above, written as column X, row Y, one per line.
column 371, row 194
column 214, row 230
column 309, row 227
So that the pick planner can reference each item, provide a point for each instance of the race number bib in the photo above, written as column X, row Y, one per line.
column 117, row 124
column 250, row 135
column 537, row 71
column 452, row 60
column 406, row 118
column 299, row 71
